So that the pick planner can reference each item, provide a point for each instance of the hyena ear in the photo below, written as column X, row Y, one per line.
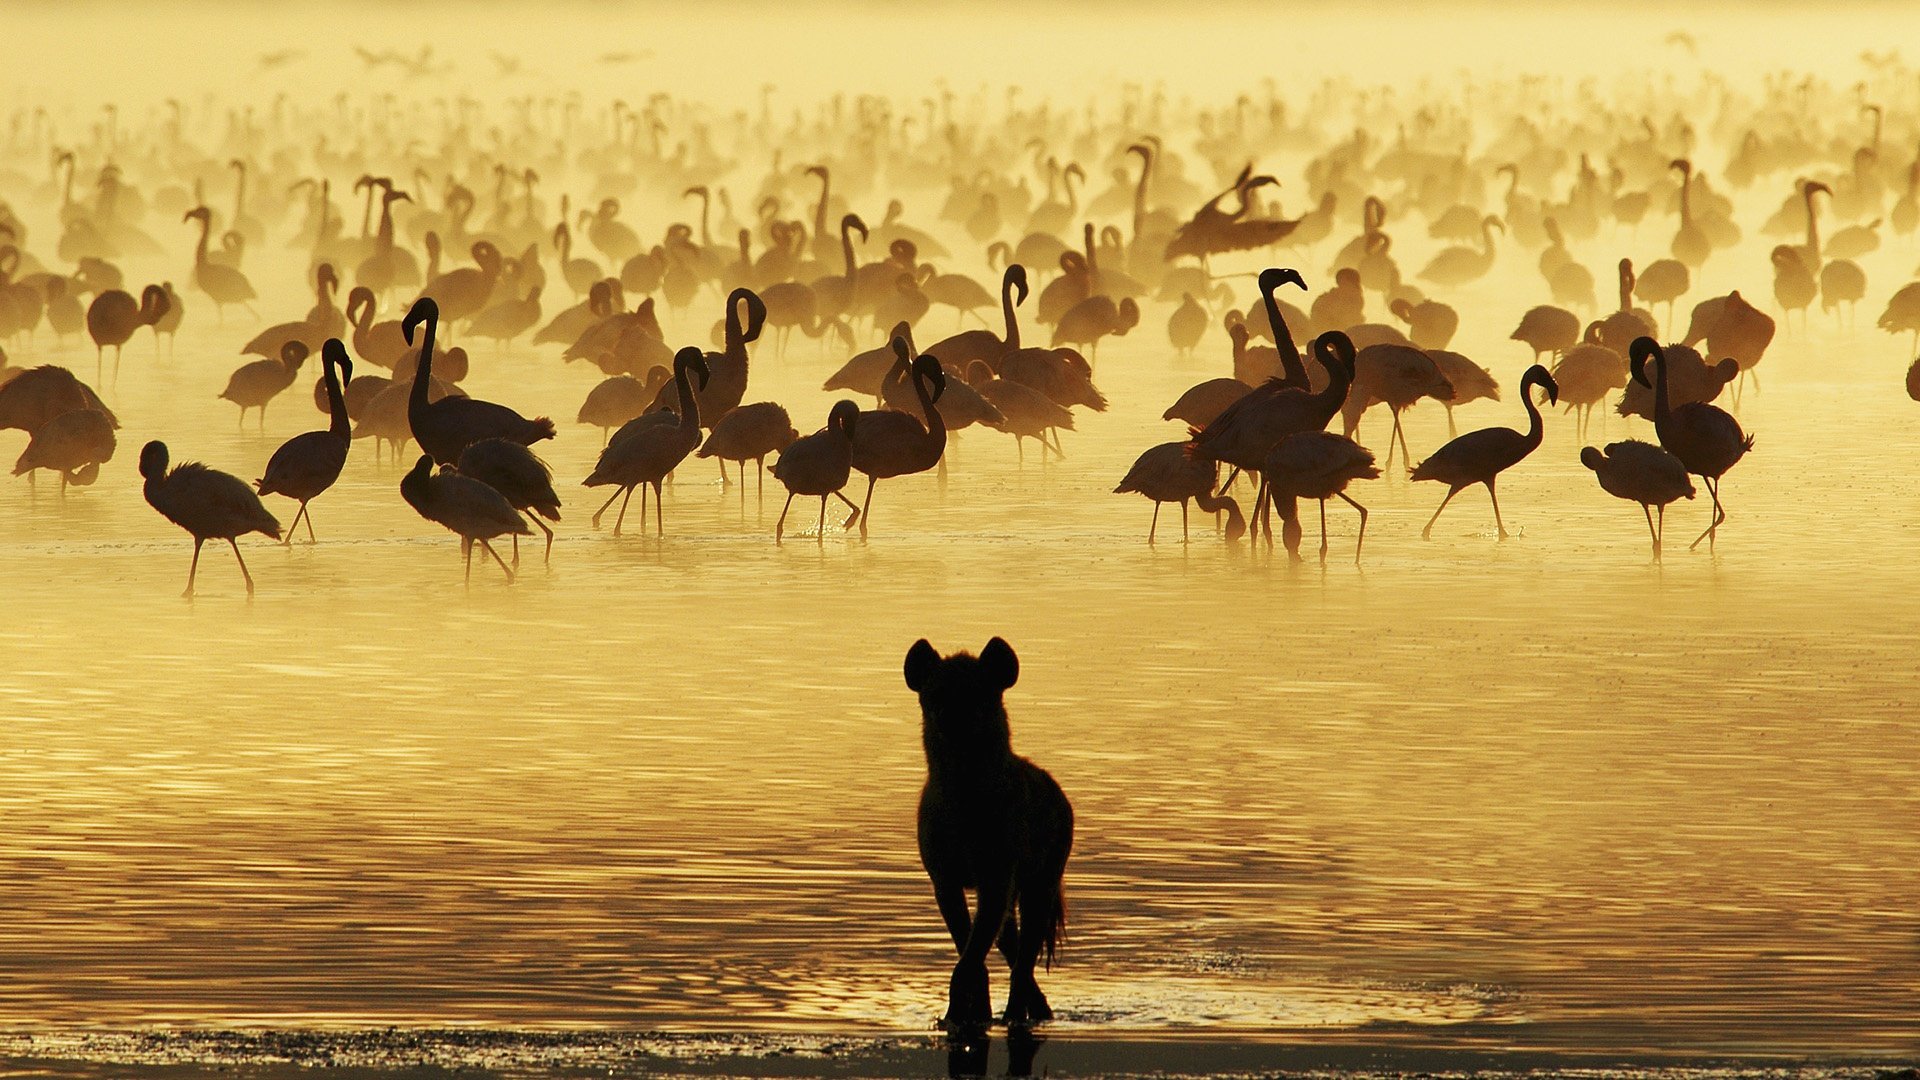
column 997, row 661
column 922, row 661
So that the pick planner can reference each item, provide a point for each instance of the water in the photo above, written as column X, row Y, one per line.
column 1542, row 800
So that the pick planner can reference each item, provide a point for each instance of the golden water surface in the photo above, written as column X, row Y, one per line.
column 1542, row 792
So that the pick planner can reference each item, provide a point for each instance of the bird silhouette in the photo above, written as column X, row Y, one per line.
column 468, row 508
column 1703, row 436
column 1171, row 473
column 645, row 450
column 820, row 465
column 1479, row 457
column 445, row 427
column 1317, row 465
column 887, row 443
column 308, row 464
column 1640, row 472
column 208, row 503
column 521, row 478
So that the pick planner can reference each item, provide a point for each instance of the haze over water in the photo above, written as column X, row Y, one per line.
column 1538, row 796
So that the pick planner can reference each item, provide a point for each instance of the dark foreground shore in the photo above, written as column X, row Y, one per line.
column 391, row 1052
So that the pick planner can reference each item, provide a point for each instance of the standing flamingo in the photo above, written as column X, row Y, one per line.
column 1479, row 457
column 645, row 451
column 1643, row 473
column 445, row 427
column 820, row 464
column 1703, row 436
column 888, row 443
column 209, row 504
column 308, row 464
column 467, row 507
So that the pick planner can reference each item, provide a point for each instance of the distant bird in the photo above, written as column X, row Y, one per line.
column 114, row 316
column 223, row 284
column 1547, row 329
column 470, row 509
column 308, row 464
column 647, row 449
column 1464, row 265
column 74, row 444
column 1187, row 324
column 750, row 433
column 33, row 398
column 1025, row 413
column 253, row 385
column 962, row 349
column 1640, row 472
column 1704, row 437
column 1903, row 313
column 820, row 465
column 445, row 427
column 521, row 478
column 888, row 443
column 1317, row 465
column 1479, row 457
column 209, row 504
column 1169, row 473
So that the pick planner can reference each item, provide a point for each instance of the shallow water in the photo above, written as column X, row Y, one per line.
column 1542, row 795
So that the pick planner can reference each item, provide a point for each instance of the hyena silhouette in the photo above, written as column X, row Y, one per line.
column 990, row 821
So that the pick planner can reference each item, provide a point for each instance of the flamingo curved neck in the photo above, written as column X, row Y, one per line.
column 338, row 425
column 689, row 405
column 1006, row 309
column 422, row 372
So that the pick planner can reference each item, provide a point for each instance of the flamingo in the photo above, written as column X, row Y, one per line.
column 645, row 450
column 113, row 317
column 1317, row 465
column 521, row 478
column 208, row 503
column 1703, row 436
column 888, row 443
column 253, row 385
column 820, row 464
column 1479, row 457
column 1640, row 472
column 468, row 508
column 1170, row 473
column 447, row 426
column 307, row 465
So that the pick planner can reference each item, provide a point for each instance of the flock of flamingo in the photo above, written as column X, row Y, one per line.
column 455, row 241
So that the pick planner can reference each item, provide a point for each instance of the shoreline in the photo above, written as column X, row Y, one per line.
column 257, row 1051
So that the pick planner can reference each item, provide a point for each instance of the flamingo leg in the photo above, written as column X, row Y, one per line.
column 308, row 515
column 659, row 511
column 1495, row 496
column 603, row 507
column 194, row 568
column 466, row 555
column 852, row 517
column 866, row 507
column 1713, row 524
column 820, row 530
column 623, row 510
column 1231, row 475
column 1185, row 536
column 1651, row 531
column 779, row 527
column 1363, row 524
column 1155, row 527
column 1323, row 530
column 248, row 578
column 541, row 525
column 1427, row 533
column 496, row 558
